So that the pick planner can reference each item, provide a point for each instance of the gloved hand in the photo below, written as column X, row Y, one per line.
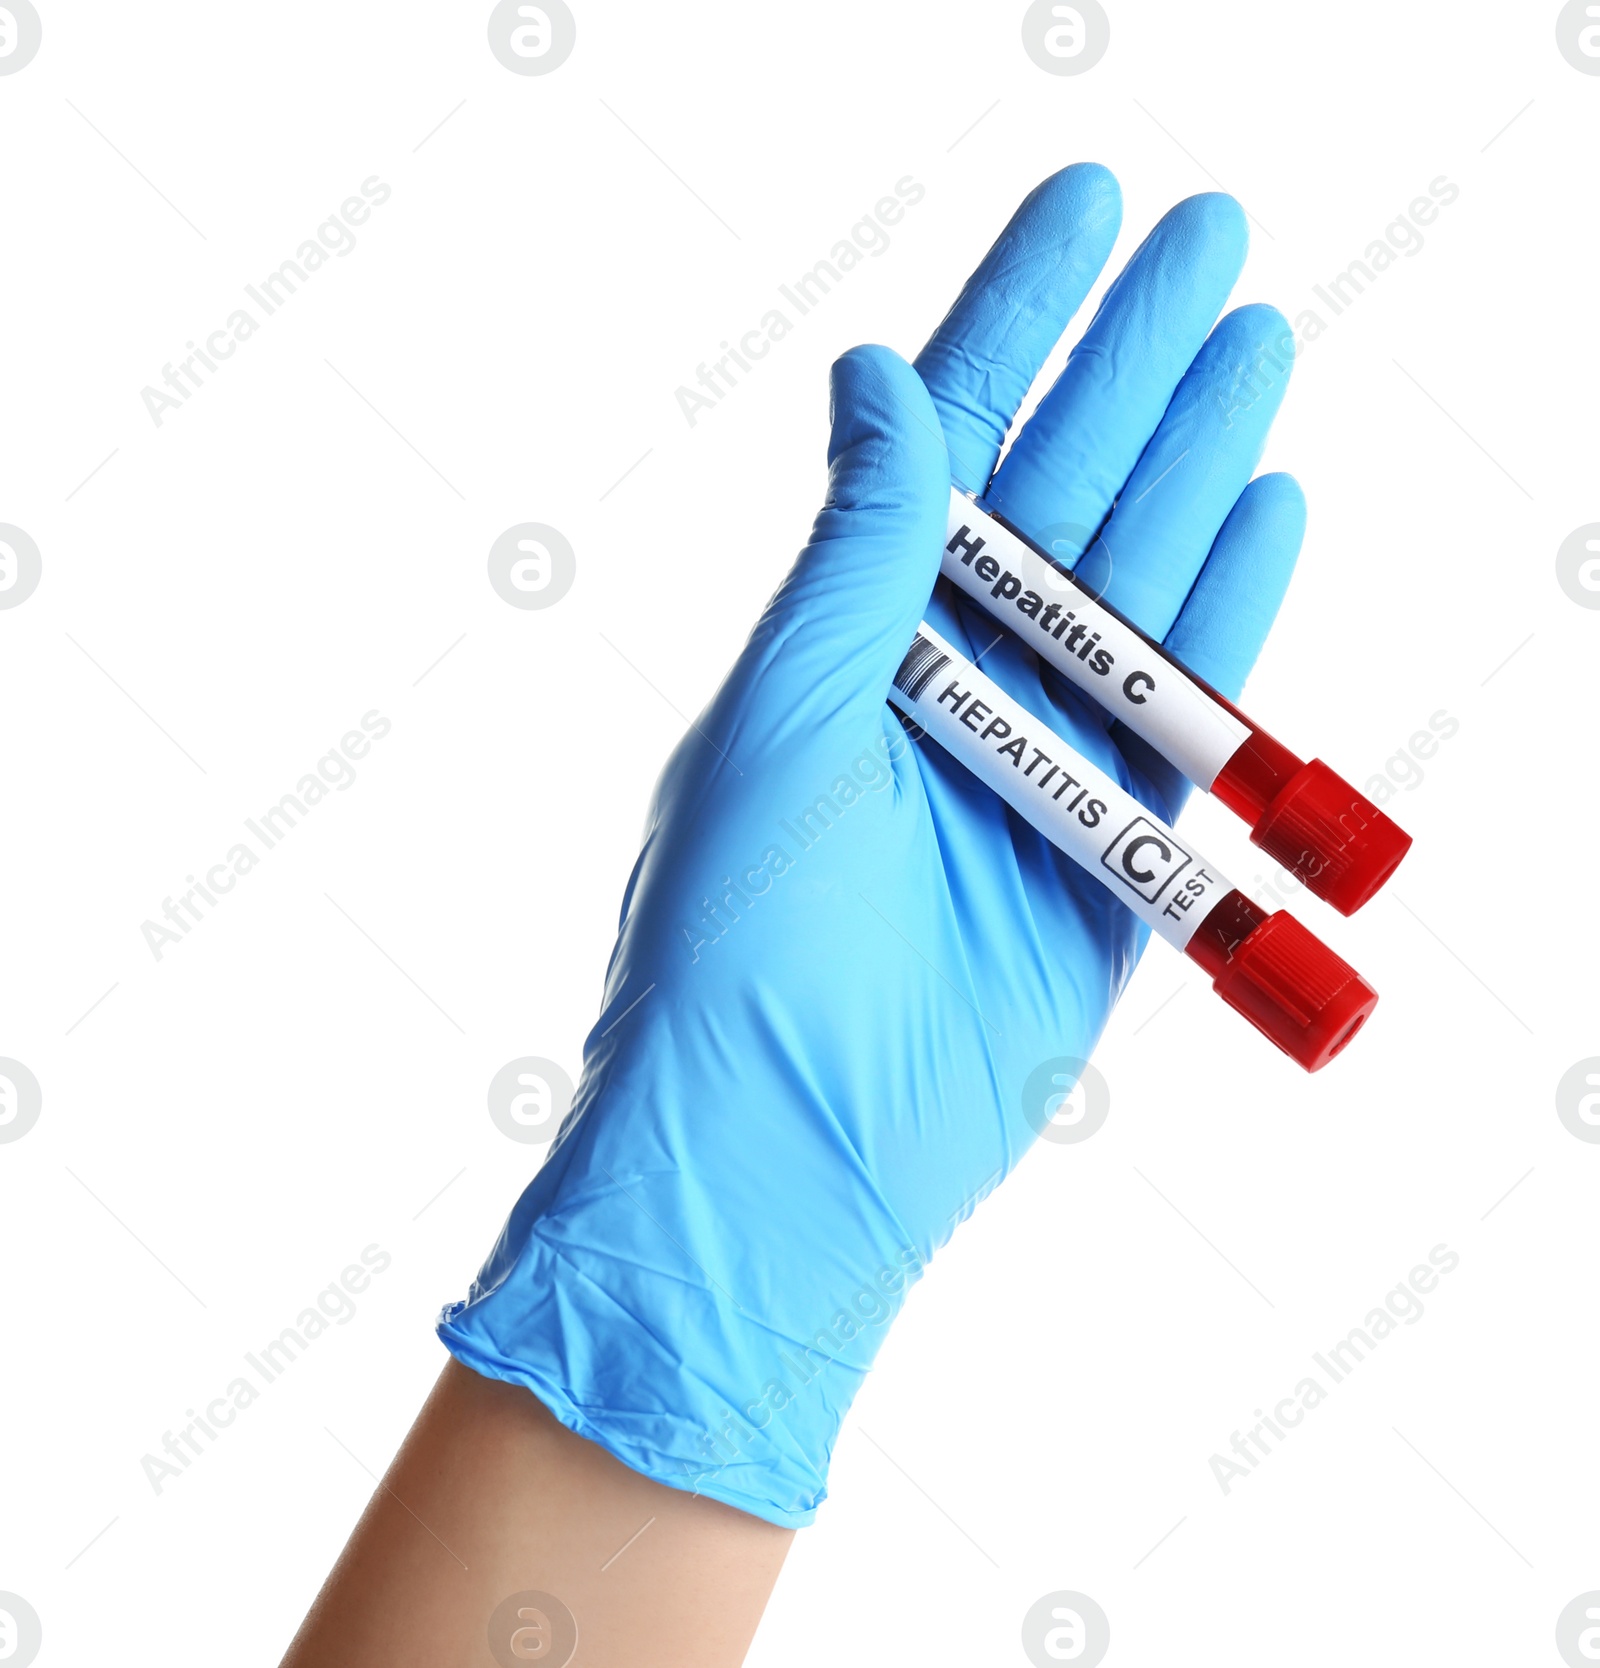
column 840, row 957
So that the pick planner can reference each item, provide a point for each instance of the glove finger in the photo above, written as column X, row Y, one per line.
column 1069, row 463
column 981, row 361
column 833, row 636
column 1192, row 472
column 1220, row 630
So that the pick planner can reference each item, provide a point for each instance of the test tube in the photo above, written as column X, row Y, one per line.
column 1266, row 966
column 1302, row 814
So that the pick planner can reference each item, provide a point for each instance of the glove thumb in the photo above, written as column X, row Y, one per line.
column 847, row 611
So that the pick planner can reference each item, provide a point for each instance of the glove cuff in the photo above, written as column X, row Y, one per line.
column 595, row 1344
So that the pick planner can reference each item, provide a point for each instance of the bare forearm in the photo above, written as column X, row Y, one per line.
column 490, row 1497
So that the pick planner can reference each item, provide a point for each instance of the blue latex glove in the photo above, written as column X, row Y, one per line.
column 840, row 957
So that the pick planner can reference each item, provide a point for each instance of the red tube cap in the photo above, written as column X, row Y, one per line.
column 1296, row 991
column 1331, row 837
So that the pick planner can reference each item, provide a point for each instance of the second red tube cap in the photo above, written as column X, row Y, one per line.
column 1296, row 991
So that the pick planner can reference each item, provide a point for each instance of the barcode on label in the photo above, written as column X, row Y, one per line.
column 923, row 661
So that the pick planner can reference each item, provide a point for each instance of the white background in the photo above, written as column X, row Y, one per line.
column 229, row 1126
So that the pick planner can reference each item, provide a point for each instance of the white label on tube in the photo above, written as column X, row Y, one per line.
column 1088, row 644
column 1127, row 848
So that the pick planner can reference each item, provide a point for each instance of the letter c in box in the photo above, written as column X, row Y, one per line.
column 1146, row 859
